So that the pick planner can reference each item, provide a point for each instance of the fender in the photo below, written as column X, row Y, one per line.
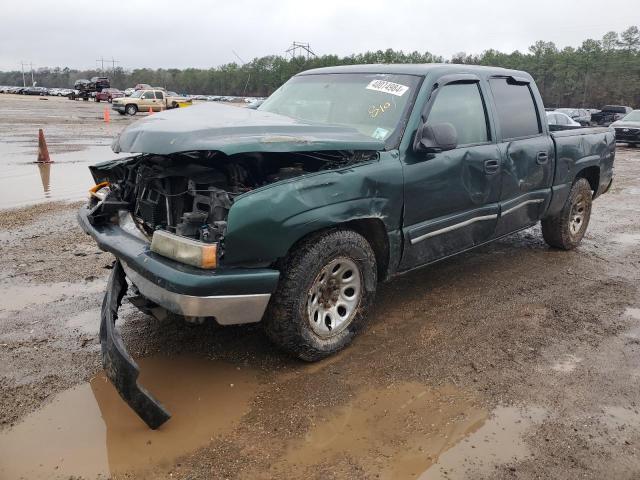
column 263, row 225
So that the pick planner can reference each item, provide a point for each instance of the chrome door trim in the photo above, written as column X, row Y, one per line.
column 522, row 204
column 453, row 227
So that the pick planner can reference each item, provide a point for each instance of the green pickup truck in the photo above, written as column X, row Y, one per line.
column 290, row 213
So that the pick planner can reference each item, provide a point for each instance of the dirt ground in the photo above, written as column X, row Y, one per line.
column 511, row 361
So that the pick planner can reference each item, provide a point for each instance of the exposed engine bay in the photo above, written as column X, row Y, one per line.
column 190, row 194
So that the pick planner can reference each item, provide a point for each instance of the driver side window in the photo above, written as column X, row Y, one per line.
column 148, row 95
column 461, row 105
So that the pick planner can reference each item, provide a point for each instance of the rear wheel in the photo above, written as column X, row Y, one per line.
column 131, row 109
column 325, row 290
column 566, row 229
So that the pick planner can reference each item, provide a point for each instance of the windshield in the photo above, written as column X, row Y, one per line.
column 373, row 104
column 137, row 94
column 632, row 117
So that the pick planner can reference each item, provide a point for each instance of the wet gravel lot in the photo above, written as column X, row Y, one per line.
column 510, row 361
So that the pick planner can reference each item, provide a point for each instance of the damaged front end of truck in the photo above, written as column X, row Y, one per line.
column 195, row 217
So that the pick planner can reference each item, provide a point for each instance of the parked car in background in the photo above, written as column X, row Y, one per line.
column 174, row 100
column 59, row 92
column 610, row 114
column 128, row 91
column 35, row 91
column 580, row 115
column 628, row 129
column 108, row 94
column 143, row 100
column 142, row 86
column 559, row 119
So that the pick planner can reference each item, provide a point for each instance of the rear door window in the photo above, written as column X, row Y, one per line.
column 159, row 95
column 517, row 113
column 461, row 105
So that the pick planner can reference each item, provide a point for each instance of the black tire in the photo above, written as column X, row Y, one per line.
column 97, row 100
column 288, row 321
column 131, row 109
column 175, row 105
column 566, row 229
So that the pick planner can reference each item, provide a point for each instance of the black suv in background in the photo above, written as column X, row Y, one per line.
column 609, row 114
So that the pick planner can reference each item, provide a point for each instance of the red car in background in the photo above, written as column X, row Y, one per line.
column 108, row 94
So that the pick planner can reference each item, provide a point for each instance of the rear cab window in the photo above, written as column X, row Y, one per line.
column 516, row 109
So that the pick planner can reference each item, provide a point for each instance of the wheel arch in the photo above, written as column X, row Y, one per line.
column 592, row 175
column 372, row 229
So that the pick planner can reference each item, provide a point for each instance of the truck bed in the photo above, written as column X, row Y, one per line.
column 580, row 148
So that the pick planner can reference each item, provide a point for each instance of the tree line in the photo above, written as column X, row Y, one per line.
column 598, row 72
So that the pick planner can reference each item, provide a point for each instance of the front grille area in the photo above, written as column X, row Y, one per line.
column 630, row 133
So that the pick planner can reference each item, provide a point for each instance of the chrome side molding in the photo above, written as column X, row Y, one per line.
column 453, row 227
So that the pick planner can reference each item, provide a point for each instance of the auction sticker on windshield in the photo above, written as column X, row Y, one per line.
column 387, row 87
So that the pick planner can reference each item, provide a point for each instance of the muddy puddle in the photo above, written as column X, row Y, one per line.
column 25, row 183
column 500, row 441
column 408, row 431
column 88, row 431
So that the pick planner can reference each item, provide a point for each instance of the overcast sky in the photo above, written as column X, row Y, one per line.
column 200, row 33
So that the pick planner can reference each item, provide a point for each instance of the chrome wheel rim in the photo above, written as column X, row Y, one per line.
column 578, row 215
column 334, row 297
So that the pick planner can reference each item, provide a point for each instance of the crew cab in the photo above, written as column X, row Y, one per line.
column 290, row 214
column 155, row 100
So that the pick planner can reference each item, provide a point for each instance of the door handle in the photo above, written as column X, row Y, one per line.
column 542, row 158
column 491, row 166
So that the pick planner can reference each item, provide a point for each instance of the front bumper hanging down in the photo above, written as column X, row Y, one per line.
column 120, row 368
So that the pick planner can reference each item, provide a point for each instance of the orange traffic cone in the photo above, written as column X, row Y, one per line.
column 150, row 110
column 43, row 151
column 107, row 119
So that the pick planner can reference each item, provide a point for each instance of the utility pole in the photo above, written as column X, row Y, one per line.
column 246, row 84
column 101, row 60
column 24, row 82
column 31, row 65
column 113, row 66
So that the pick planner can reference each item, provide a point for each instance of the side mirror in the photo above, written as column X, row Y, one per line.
column 435, row 138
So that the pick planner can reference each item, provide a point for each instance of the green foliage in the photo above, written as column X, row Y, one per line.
column 599, row 72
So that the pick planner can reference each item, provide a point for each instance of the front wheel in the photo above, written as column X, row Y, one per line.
column 131, row 109
column 566, row 229
column 326, row 287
